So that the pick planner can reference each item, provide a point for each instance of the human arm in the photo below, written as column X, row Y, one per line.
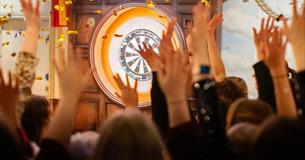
column 295, row 34
column 196, row 40
column 33, row 24
column 8, row 101
column 172, row 75
column 263, row 77
column 73, row 82
column 217, row 65
column 275, row 59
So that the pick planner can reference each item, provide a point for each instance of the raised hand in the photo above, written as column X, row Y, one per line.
column 166, row 45
column 197, row 39
column 217, row 65
column 128, row 94
column 275, row 60
column 9, row 94
column 275, row 50
column 296, row 35
column 174, row 78
column 33, row 24
column 152, row 58
column 31, row 14
column 73, row 80
column 212, row 25
column 262, row 36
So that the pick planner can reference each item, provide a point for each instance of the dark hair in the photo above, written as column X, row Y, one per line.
column 9, row 148
column 231, row 89
column 250, row 111
column 280, row 138
column 35, row 117
column 128, row 136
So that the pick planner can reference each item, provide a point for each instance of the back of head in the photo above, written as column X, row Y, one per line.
column 35, row 117
column 9, row 148
column 280, row 138
column 240, row 137
column 231, row 89
column 250, row 111
column 128, row 136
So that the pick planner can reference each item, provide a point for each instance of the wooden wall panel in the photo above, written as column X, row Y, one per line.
column 86, row 115
column 85, row 24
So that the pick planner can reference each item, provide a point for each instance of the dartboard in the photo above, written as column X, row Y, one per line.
column 131, row 61
column 115, row 44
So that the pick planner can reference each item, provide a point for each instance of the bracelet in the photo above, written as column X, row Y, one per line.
column 280, row 76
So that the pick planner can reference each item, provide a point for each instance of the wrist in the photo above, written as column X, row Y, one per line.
column 278, row 71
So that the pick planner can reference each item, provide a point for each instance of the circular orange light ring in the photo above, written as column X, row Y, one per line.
column 99, row 46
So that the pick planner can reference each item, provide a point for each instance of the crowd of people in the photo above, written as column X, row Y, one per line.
column 198, row 112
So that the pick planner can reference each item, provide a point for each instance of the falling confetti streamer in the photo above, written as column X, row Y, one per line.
column 5, row 44
column 150, row 4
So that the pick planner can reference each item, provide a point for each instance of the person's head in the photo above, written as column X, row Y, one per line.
column 240, row 137
column 250, row 111
column 128, row 136
column 9, row 148
column 280, row 138
column 35, row 117
column 231, row 89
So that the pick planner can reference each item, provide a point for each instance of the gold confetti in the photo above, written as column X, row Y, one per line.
column 4, row 6
column 38, row 78
column 150, row 4
column 59, row 8
column 72, row 32
column 161, row 16
column 118, row 35
column 61, row 38
column 205, row 2
column 13, row 54
column 115, row 13
column 167, row 1
column 68, row 2
column 5, row 44
column 3, row 20
column 104, row 37
column 98, row 11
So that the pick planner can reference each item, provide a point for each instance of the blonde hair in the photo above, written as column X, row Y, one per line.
column 128, row 136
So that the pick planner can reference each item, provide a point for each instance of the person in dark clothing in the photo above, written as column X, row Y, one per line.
column 35, row 117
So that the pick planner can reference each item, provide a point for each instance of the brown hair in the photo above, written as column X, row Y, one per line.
column 245, row 110
column 128, row 136
column 231, row 89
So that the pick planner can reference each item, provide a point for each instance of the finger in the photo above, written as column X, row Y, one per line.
column 23, row 4
column 254, row 32
column 30, row 4
column 37, row 8
column 71, row 56
column 117, row 94
column 119, row 81
column 145, row 46
column 127, row 80
column 58, row 70
column 136, row 85
column 272, row 24
column 10, row 79
column 62, row 58
column 294, row 8
column 1, row 77
column 268, row 22
column 171, row 28
column 17, row 82
column 263, row 24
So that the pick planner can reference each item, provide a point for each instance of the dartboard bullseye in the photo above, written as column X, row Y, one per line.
column 131, row 61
